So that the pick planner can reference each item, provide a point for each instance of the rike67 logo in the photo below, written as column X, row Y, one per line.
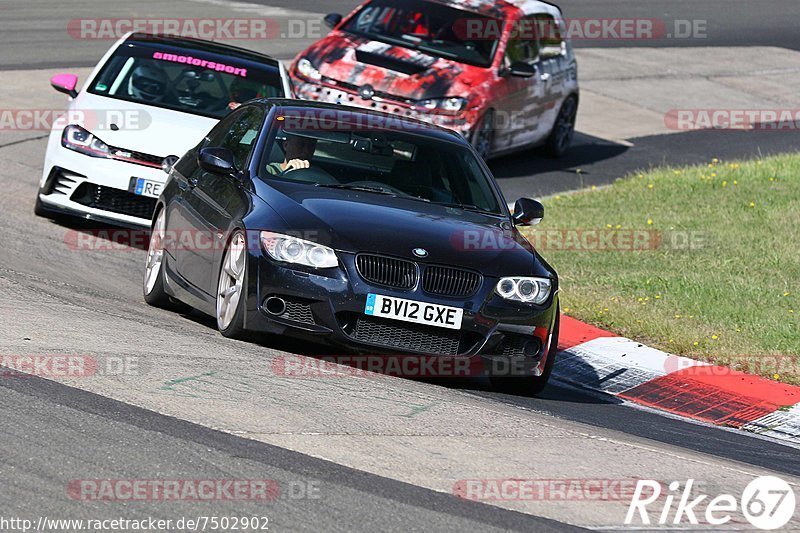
column 767, row 503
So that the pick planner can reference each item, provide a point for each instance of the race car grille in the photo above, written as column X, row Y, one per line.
column 387, row 271
column 137, row 158
column 446, row 281
column 114, row 200
column 406, row 337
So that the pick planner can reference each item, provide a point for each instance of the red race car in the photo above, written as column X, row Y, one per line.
column 501, row 73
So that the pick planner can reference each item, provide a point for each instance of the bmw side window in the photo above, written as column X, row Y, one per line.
column 238, row 132
column 523, row 45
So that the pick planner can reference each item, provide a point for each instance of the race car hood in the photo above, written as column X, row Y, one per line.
column 146, row 129
column 353, row 222
column 391, row 69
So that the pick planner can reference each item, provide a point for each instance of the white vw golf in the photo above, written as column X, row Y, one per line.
column 149, row 100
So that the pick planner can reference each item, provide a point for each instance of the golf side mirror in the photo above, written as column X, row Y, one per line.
column 522, row 69
column 65, row 83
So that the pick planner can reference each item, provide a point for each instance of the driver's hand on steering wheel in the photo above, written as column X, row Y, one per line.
column 296, row 164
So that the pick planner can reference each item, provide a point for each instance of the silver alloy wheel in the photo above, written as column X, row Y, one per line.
column 231, row 281
column 155, row 254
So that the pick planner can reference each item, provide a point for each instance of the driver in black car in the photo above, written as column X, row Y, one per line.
column 299, row 152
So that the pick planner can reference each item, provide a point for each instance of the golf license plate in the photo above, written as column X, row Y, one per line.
column 144, row 187
column 412, row 311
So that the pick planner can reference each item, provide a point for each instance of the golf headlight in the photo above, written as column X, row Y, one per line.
column 528, row 290
column 80, row 140
column 447, row 105
column 308, row 70
column 289, row 249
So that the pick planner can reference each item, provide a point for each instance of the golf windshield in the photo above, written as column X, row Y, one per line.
column 429, row 27
column 392, row 162
column 184, row 80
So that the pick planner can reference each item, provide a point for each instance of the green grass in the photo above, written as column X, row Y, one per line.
column 734, row 298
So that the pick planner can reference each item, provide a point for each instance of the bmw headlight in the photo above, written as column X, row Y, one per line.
column 447, row 105
column 528, row 290
column 308, row 70
column 80, row 140
column 288, row 249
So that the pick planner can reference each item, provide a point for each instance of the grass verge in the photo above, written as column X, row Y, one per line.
column 703, row 261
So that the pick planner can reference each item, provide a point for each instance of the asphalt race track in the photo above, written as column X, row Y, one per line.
column 350, row 453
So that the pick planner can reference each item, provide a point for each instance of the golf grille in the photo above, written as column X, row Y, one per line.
column 114, row 200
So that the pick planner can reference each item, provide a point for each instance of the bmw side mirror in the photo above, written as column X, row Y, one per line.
column 528, row 212
column 217, row 161
column 65, row 83
column 332, row 20
column 522, row 69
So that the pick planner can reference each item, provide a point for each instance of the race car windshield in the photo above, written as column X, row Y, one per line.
column 380, row 161
column 429, row 27
column 183, row 80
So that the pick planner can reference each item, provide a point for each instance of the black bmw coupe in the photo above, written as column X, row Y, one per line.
column 360, row 229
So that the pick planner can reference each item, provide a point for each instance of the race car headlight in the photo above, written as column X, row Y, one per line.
column 288, row 249
column 447, row 105
column 527, row 290
column 80, row 140
column 308, row 70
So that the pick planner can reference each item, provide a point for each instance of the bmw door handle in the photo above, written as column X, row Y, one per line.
column 545, row 77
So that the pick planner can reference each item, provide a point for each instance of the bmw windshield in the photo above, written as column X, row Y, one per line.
column 183, row 80
column 429, row 27
column 401, row 162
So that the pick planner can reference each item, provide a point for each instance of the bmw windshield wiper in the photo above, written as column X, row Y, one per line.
column 469, row 207
column 373, row 188
column 364, row 188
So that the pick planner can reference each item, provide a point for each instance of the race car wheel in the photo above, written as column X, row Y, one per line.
column 231, row 288
column 563, row 130
column 483, row 135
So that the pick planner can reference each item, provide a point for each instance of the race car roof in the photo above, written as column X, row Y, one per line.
column 202, row 46
column 500, row 8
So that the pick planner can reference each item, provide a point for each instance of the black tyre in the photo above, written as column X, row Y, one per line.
column 563, row 130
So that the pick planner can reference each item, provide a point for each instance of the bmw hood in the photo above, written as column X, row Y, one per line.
column 353, row 222
column 141, row 128
column 391, row 69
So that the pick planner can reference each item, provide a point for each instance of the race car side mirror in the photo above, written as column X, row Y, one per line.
column 522, row 69
column 332, row 20
column 528, row 212
column 65, row 83
column 218, row 161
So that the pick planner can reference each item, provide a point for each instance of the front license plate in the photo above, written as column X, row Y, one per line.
column 144, row 187
column 411, row 311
